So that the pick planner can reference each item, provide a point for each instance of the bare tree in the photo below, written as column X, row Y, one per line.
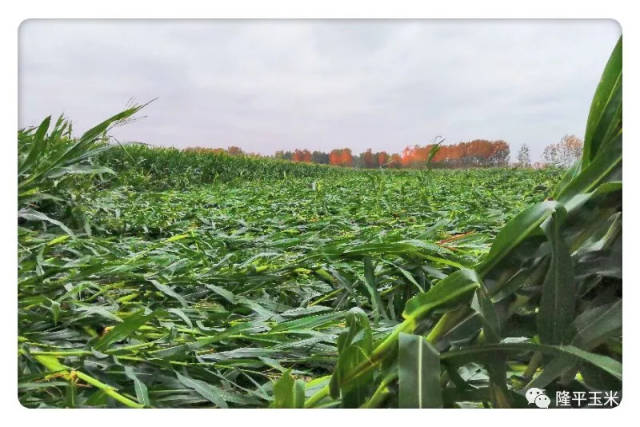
column 565, row 152
column 524, row 159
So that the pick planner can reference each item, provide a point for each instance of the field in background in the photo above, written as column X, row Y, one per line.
column 248, row 277
column 154, row 278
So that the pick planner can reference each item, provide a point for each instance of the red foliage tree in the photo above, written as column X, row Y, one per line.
column 396, row 161
column 345, row 157
column 303, row 156
column 341, row 157
column 368, row 159
column 235, row 151
column 382, row 158
column 478, row 152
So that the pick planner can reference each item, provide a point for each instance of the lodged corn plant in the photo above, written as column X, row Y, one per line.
column 49, row 159
column 205, row 280
column 547, row 296
column 146, row 167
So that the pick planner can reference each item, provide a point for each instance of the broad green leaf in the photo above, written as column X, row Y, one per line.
column 354, row 348
column 596, row 379
column 453, row 289
column 223, row 293
column 308, row 322
column 558, row 300
column 605, row 162
column 482, row 305
column 209, row 392
column 53, row 365
column 409, row 277
column 181, row 315
column 516, row 230
column 80, row 170
column 605, row 97
column 123, row 330
column 142, row 393
column 288, row 392
column 604, row 363
column 97, row 130
column 418, row 373
column 33, row 215
column 37, row 147
column 370, row 284
column 594, row 325
column 496, row 365
column 167, row 290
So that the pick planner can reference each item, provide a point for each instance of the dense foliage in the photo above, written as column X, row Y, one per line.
column 221, row 281
column 164, row 168
column 476, row 153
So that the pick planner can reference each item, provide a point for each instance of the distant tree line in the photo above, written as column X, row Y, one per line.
column 476, row 153
column 565, row 152
column 562, row 154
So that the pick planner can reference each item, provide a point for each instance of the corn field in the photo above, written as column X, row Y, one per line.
column 152, row 278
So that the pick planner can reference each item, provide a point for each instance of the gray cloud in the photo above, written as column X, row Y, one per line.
column 270, row 85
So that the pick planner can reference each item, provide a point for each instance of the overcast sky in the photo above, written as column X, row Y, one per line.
column 281, row 85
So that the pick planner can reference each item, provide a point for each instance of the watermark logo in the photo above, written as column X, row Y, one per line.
column 536, row 396
column 587, row 399
column 575, row 399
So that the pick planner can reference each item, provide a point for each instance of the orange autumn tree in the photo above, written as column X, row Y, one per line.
column 565, row 152
column 368, row 159
column 477, row 153
column 396, row 161
column 382, row 158
column 345, row 157
column 235, row 151
column 415, row 156
column 500, row 154
column 334, row 157
column 303, row 156
column 341, row 157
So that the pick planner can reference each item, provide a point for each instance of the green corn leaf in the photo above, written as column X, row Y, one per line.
column 37, row 147
column 608, row 160
column 167, row 290
column 603, row 105
column 557, row 304
column 123, row 330
column 209, row 392
column 595, row 325
column 370, row 284
column 483, row 306
column 97, row 130
column 80, row 170
column 53, row 365
column 517, row 230
column 454, row 288
column 418, row 373
column 142, row 393
column 288, row 392
column 604, row 363
column 556, row 367
column 496, row 365
column 354, row 348
column 33, row 215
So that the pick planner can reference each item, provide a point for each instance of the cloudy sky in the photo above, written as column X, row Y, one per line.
column 281, row 85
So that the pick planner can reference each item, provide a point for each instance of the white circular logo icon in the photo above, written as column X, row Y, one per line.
column 536, row 396
column 542, row 401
